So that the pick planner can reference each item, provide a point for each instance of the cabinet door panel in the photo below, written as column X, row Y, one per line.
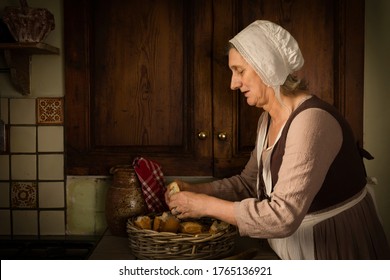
column 143, row 71
column 137, row 70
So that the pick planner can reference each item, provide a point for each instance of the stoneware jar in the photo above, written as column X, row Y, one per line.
column 28, row 24
column 124, row 199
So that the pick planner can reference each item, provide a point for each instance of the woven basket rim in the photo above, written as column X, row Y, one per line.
column 150, row 244
column 200, row 237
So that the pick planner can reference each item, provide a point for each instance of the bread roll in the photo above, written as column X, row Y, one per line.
column 143, row 222
column 173, row 188
column 218, row 226
column 157, row 223
column 170, row 223
column 166, row 223
column 191, row 227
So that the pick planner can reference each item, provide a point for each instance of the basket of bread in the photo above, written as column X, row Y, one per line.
column 164, row 236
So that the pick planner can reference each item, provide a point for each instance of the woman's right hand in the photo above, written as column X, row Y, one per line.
column 183, row 186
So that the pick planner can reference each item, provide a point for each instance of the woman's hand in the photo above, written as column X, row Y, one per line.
column 188, row 205
column 182, row 186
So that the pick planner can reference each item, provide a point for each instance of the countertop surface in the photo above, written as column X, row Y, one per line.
column 56, row 247
column 112, row 247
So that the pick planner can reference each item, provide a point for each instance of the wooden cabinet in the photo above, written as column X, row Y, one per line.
column 150, row 78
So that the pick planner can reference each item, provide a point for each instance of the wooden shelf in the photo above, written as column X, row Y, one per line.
column 18, row 59
column 31, row 48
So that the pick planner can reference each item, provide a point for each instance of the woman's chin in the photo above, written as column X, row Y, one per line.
column 250, row 102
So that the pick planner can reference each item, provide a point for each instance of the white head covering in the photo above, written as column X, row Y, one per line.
column 270, row 50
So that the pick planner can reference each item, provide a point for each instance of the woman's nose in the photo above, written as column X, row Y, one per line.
column 235, row 83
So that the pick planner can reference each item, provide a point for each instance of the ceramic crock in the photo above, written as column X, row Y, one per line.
column 124, row 199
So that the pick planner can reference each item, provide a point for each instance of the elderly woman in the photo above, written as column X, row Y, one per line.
column 304, row 187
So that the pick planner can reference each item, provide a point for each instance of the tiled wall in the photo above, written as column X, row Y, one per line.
column 37, row 197
column 32, row 178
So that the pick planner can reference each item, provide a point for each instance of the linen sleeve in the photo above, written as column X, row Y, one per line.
column 239, row 187
column 313, row 141
column 244, row 185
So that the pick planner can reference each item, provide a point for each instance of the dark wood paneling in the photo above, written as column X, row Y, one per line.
column 137, row 95
column 138, row 82
column 144, row 77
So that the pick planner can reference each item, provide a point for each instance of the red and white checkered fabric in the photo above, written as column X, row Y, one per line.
column 151, row 177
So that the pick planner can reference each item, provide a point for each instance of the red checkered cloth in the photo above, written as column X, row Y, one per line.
column 151, row 177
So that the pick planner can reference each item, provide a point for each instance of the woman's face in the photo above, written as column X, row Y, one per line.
column 245, row 79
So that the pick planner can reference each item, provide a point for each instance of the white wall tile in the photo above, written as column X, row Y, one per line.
column 22, row 139
column 4, row 109
column 5, row 222
column 25, row 222
column 50, row 139
column 23, row 167
column 4, row 167
column 22, row 111
column 52, row 222
column 51, row 194
column 4, row 194
column 51, row 167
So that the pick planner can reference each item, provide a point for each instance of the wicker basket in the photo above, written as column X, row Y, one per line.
column 150, row 244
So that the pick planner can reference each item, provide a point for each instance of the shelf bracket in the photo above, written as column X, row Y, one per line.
column 18, row 59
column 19, row 64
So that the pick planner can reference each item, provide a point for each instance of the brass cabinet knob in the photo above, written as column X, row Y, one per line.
column 222, row 136
column 202, row 135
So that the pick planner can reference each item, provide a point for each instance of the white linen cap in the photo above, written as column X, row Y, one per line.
column 270, row 50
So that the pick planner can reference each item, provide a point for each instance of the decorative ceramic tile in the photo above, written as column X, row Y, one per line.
column 24, row 195
column 50, row 111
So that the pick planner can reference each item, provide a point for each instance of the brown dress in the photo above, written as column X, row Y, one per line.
column 317, row 206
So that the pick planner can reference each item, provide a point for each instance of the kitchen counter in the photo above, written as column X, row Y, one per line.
column 57, row 247
column 112, row 247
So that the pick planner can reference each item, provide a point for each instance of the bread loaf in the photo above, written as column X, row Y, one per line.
column 166, row 223
column 157, row 223
column 143, row 222
column 218, row 226
column 191, row 227
column 173, row 188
